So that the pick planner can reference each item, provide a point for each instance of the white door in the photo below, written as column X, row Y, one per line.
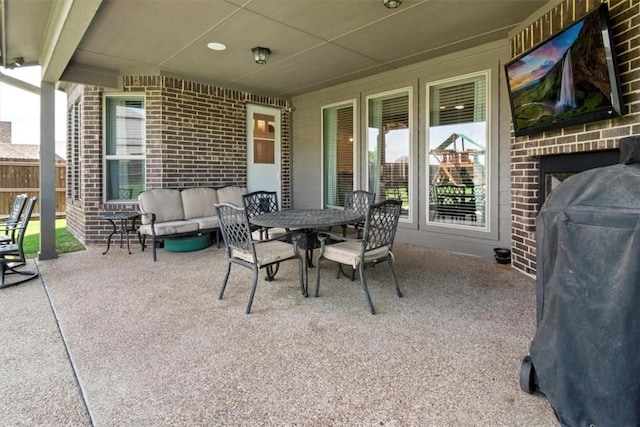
column 263, row 149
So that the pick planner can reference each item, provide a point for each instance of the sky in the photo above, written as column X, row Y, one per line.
column 22, row 108
column 537, row 63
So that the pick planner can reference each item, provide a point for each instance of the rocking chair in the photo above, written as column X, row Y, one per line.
column 9, row 226
column 12, row 254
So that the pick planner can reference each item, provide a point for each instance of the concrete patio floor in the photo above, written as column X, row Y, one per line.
column 121, row 340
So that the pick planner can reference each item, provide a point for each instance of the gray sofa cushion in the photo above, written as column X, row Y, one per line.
column 165, row 203
column 199, row 202
column 170, row 227
column 231, row 194
column 207, row 222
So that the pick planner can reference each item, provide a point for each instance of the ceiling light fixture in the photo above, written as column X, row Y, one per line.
column 392, row 4
column 261, row 54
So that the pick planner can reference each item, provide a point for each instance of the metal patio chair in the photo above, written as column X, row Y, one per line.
column 258, row 203
column 242, row 249
column 357, row 201
column 8, row 227
column 12, row 253
column 374, row 247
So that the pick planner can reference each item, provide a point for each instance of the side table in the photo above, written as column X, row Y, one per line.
column 127, row 225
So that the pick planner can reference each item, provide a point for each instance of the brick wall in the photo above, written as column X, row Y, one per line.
column 82, row 213
column 195, row 136
column 527, row 150
column 74, row 213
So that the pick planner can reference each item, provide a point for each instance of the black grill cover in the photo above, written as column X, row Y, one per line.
column 586, row 351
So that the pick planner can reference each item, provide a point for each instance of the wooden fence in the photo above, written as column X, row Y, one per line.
column 23, row 176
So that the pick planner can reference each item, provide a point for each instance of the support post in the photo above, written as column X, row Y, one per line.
column 47, row 173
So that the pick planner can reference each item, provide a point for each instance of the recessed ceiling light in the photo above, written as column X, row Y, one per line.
column 216, row 46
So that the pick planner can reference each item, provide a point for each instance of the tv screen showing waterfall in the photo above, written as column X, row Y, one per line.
column 567, row 80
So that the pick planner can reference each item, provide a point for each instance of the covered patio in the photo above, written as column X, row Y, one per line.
column 121, row 340
column 193, row 102
column 133, row 342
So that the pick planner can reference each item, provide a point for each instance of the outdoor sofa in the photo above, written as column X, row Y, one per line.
column 172, row 213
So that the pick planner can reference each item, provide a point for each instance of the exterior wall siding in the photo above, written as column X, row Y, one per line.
column 527, row 150
column 195, row 137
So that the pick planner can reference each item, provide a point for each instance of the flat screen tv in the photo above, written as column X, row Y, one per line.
column 567, row 80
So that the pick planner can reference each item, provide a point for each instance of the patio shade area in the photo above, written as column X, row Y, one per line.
column 121, row 340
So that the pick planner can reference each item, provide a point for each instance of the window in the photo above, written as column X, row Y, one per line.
column 124, row 148
column 338, row 130
column 264, row 137
column 457, row 156
column 389, row 147
column 74, row 172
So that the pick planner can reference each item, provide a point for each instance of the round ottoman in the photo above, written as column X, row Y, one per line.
column 188, row 243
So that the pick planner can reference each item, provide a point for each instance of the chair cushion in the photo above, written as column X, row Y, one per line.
column 255, row 235
column 164, row 202
column 170, row 227
column 207, row 222
column 349, row 253
column 231, row 194
column 274, row 233
column 267, row 253
column 199, row 202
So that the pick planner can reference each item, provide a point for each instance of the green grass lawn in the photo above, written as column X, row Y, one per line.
column 65, row 242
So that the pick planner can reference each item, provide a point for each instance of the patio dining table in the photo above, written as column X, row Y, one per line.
column 306, row 223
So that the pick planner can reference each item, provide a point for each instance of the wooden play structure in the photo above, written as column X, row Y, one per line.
column 453, row 186
column 455, row 160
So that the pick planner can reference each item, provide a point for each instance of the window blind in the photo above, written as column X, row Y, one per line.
column 338, row 153
column 125, row 126
column 462, row 102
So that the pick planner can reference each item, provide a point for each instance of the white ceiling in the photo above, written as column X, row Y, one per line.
column 314, row 43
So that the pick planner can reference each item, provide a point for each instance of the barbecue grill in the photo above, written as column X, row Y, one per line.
column 585, row 356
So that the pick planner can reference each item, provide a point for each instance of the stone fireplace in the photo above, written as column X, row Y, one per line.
column 599, row 139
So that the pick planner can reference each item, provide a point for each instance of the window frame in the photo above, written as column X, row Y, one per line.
column 489, row 157
column 354, row 155
column 107, row 158
column 74, row 163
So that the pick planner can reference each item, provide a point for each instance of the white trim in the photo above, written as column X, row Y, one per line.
column 68, row 23
column 20, row 84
